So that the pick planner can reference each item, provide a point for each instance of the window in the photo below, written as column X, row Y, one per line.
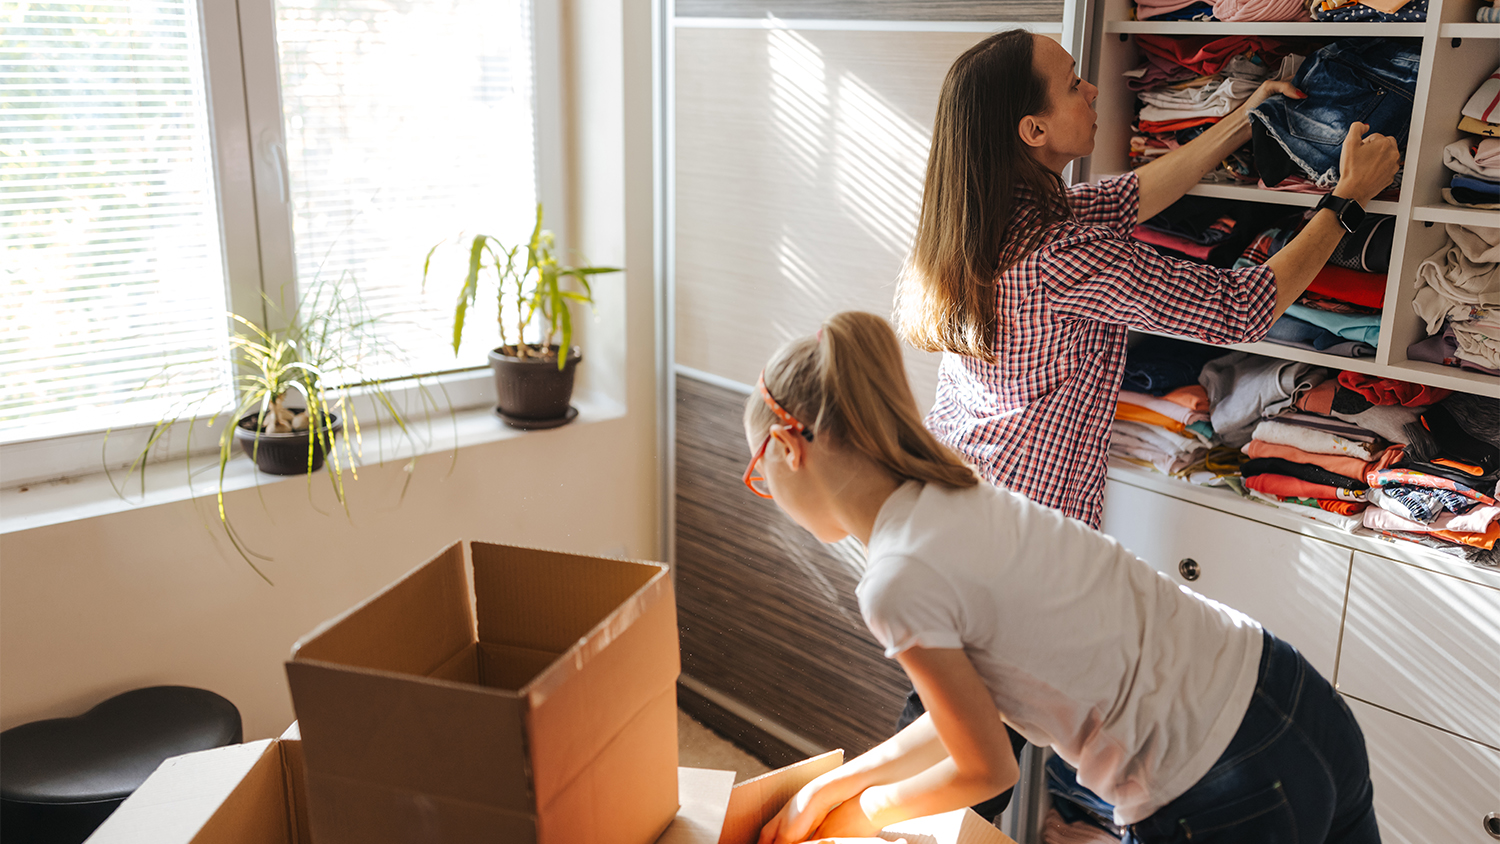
column 342, row 140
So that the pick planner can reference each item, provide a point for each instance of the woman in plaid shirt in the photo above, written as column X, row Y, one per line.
column 1028, row 286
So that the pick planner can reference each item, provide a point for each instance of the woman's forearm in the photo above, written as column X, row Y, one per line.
column 940, row 788
column 1299, row 262
column 1168, row 178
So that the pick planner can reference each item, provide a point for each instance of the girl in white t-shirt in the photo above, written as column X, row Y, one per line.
column 1185, row 714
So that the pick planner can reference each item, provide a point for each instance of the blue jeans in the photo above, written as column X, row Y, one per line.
column 1368, row 80
column 1294, row 773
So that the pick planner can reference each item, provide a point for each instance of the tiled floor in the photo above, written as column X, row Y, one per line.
column 700, row 747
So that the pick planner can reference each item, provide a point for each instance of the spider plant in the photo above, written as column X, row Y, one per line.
column 302, row 378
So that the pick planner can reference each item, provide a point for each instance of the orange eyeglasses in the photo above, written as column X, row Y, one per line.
column 756, row 482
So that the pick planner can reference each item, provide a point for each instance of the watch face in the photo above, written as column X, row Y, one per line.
column 1351, row 215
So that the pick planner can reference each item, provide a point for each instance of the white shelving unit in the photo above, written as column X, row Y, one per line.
column 1457, row 54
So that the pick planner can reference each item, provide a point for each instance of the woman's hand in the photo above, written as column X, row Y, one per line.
column 848, row 820
column 1270, row 87
column 1367, row 164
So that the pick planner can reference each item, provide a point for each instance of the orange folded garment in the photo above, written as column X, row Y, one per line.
column 1192, row 397
column 1484, row 540
column 1352, row 286
column 1343, row 508
column 1135, row 413
column 1285, row 486
column 1349, row 467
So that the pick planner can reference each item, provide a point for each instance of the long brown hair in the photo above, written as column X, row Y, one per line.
column 848, row 382
column 970, row 229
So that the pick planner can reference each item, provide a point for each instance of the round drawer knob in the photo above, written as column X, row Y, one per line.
column 1189, row 569
column 1492, row 825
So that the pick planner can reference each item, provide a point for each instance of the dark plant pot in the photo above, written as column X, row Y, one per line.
column 533, row 389
column 282, row 454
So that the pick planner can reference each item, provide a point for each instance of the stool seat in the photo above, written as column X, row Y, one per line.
column 66, row 773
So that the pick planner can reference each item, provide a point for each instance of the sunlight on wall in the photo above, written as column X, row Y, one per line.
column 880, row 158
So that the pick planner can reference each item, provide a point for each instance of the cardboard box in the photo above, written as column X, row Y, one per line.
column 250, row 793
column 751, row 804
column 540, row 707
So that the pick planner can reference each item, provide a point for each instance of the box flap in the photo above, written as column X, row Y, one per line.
column 294, row 775
column 447, row 739
column 570, row 724
column 413, row 626
column 703, row 800
column 176, row 802
column 555, row 602
column 961, row 826
column 754, row 802
column 256, row 812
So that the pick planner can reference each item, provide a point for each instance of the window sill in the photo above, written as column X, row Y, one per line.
column 89, row 496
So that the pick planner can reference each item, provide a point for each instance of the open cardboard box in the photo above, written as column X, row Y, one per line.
column 539, row 707
column 249, row 793
column 713, row 812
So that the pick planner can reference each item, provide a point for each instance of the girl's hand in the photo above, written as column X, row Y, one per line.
column 848, row 820
column 799, row 817
column 1268, row 88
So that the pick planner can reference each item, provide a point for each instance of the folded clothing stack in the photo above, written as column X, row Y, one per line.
column 1392, row 11
column 1440, row 488
column 1475, row 161
column 1161, row 418
column 1339, row 314
column 1207, row 230
column 1487, row 12
column 1188, row 84
column 1458, row 296
column 1369, row 80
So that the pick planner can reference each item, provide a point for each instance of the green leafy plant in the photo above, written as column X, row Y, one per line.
column 530, row 290
column 300, row 378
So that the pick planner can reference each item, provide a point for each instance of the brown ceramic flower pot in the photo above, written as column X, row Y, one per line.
column 532, row 392
column 282, row 454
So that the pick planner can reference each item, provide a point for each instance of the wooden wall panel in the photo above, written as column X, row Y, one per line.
column 910, row 10
column 800, row 157
column 768, row 614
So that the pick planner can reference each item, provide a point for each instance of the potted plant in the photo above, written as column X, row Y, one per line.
column 294, row 394
column 533, row 367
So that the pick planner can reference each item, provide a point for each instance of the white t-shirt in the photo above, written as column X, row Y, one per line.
column 1137, row 682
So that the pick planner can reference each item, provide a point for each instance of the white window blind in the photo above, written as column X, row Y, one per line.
column 108, row 218
column 406, row 122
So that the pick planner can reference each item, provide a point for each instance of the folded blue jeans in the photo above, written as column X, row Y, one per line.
column 1296, row 771
column 1356, row 80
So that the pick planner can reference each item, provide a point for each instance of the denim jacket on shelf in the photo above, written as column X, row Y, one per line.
column 1363, row 80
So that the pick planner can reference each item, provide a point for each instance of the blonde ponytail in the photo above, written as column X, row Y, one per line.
column 848, row 382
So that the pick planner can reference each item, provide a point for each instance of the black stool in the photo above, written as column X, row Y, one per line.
column 60, row 778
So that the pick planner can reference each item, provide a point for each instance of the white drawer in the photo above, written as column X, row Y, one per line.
column 1292, row 584
column 1431, row 787
column 1424, row 644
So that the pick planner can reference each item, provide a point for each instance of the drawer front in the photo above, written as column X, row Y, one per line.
column 1292, row 584
column 1424, row 644
column 1430, row 786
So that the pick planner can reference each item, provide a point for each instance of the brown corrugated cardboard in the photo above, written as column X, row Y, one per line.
column 540, row 707
column 754, row 802
column 242, row 794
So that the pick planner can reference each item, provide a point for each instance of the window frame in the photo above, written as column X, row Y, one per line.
column 242, row 76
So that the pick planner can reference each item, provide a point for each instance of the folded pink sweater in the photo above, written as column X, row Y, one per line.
column 1261, row 10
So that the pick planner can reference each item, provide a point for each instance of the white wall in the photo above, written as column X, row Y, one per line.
column 151, row 596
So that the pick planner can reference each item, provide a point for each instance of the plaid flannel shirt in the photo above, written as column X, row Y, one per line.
column 1038, row 420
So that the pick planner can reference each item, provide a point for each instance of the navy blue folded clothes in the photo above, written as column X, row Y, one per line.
column 1412, row 12
column 1200, row 219
column 1195, row 12
column 1158, row 365
column 1489, row 191
column 1354, row 80
column 1302, row 471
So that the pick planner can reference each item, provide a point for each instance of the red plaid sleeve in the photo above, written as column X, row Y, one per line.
column 1114, row 203
column 1121, row 281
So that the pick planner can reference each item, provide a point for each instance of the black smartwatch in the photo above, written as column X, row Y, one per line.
column 1349, row 212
